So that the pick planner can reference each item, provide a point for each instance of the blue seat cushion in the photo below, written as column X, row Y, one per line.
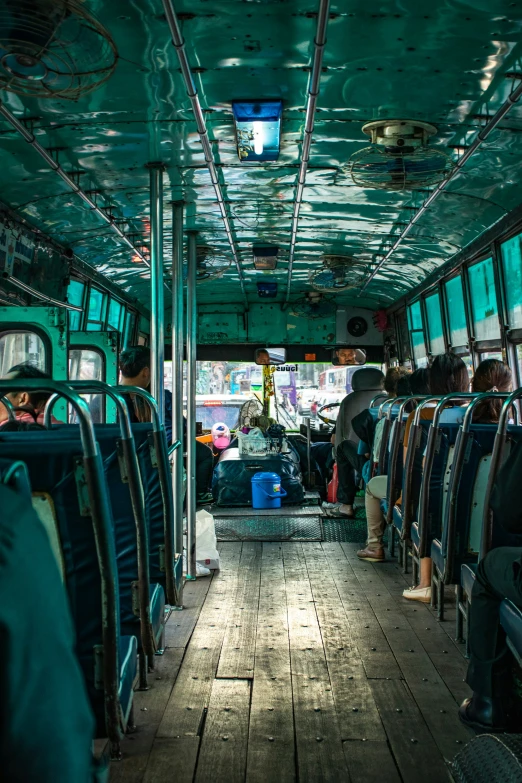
column 397, row 517
column 511, row 622
column 437, row 555
column 467, row 577
column 157, row 610
column 128, row 650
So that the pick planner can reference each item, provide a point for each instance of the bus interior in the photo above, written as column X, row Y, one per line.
column 279, row 202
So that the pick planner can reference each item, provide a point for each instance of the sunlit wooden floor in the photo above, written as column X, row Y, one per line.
column 298, row 662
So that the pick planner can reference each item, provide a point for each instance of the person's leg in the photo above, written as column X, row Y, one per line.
column 422, row 591
column 347, row 462
column 375, row 491
column 204, row 468
column 498, row 577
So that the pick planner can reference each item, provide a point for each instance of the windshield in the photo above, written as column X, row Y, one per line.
column 222, row 388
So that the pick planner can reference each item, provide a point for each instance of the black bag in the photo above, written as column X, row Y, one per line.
column 232, row 480
column 505, row 499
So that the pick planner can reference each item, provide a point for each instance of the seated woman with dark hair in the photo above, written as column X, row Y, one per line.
column 28, row 406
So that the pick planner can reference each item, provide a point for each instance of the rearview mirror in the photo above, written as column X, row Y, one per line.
column 348, row 357
column 267, row 356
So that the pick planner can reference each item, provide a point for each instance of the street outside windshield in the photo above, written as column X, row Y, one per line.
column 222, row 388
column 301, row 390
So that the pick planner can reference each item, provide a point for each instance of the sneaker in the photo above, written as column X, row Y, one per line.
column 422, row 594
column 201, row 570
column 372, row 555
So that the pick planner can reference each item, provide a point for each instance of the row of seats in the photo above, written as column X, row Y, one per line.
column 444, row 489
column 104, row 494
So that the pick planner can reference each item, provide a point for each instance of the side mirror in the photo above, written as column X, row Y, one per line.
column 348, row 357
column 268, row 356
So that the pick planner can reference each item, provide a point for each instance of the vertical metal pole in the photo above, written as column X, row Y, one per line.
column 157, row 323
column 191, row 406
column 177, row 385
column 308, row 449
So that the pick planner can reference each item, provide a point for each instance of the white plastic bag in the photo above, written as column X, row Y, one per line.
column 206, row 542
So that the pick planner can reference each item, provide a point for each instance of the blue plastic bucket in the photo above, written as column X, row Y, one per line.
column 267, row 490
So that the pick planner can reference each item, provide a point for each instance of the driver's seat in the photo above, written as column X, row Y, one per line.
column 366, row 382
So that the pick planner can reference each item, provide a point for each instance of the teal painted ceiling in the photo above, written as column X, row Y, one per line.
column 443, row 61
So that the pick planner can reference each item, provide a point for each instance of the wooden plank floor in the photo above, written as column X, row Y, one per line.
column 297, row 662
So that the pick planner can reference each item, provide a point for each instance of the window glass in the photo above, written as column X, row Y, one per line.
column 511, row 252
column 434, row 318
column 419, row 349
column 115, row 318
column 415, row 316
column 456, row 311
column 87, row 365
column 96, row 311
column 300, row 391
column 20, row 347
column 483, row 301
column 75, row 294
column 130, row 323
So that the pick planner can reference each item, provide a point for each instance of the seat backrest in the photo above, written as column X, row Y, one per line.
column 47, row 726
column 55, row 465
column 366, row 382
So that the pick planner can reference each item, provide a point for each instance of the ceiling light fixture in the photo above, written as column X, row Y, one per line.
column 258, row 129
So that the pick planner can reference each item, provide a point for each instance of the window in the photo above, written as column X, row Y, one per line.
column 19, row 347
column 115, row 318
column 96, row 312
column 435, row 330
column 484, row 301
column 511, row 252
column 417, row 335
column 75, row 296
column 130, row 323
column 86, row 364
column 456, row 312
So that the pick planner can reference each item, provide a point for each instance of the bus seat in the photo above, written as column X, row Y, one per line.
column 365, row 383
column 124, row 528
column 467, row 577
column 469, row 501
column 54, row 463
column 511, row 622
column 47, row 725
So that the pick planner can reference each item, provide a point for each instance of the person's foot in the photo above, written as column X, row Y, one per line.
column 483, row 714
column 204, row 499
column 422, row 594
column 371, row 554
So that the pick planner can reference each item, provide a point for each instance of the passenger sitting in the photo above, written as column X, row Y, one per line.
column 491, row 375
column 352, row 454
column 135, row 371
column 28, row 406
column 376, row 487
